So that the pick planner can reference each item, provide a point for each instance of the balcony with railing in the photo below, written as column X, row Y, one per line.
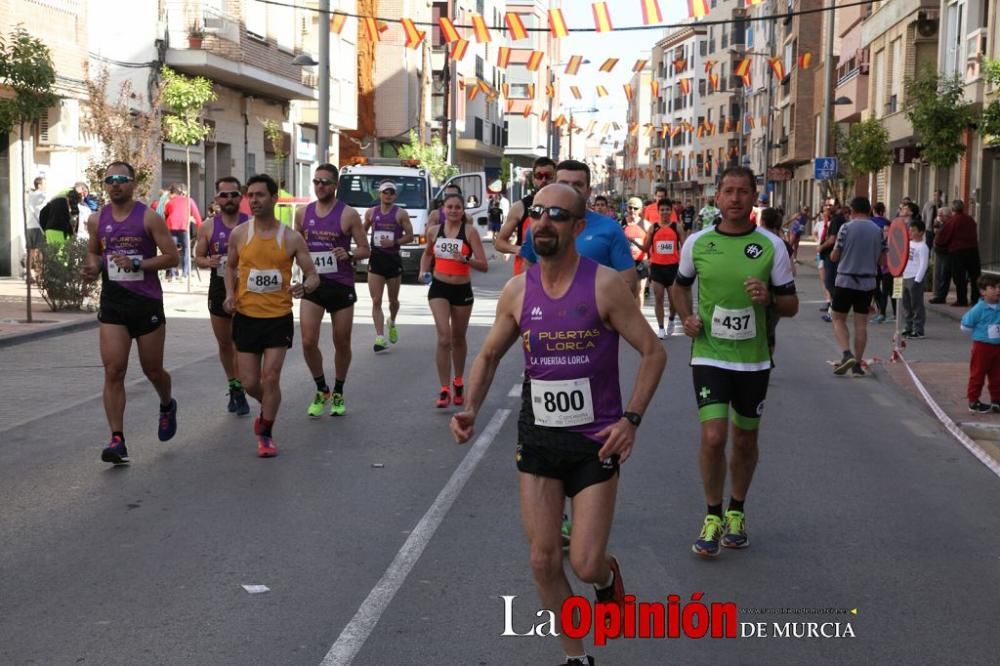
column 853, row 86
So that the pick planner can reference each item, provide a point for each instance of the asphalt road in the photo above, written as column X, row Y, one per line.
column 381, row 540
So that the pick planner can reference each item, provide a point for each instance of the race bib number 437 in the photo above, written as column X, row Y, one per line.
column 561, row 404
column 738, row 324
column 264, row 281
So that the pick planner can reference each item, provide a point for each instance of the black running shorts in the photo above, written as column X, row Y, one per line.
column 332, row 296
column 456, row 294
column 664, row 274
column 844, row 299
column 216, row 297
column 386, row 264
column 576, row 470
column 716, row 389
column 252, row 335
column 121, row 307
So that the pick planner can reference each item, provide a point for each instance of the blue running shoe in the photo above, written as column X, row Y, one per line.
column 707, row 544
column 115, row 453
column 168, row 422
column 238, row 402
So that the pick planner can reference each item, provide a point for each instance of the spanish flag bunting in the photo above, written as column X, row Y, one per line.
column 448, row 32
column 664, row 131
column 337, row 22
column 685, row 85
column 561, row 120
column 751, row 3
column 550, row 90
column 628, row 91
column 778, row 67
column 413, row 36
column 573, row 65
column 535, row 61
column 591, row 126
column 372, row 27
column 651, row 14
column 633, row 129
column 710, row 65
column 473, row 92
column 697, row 8
column 602, row 19
column 526, row 111
column 609, row 64
column 639, row 65
column 531, row 91
column 576, row 92
column 510, row 105
column 805, row 60
column 503, row 57
column 480, row 30
column 680, row 65
column 606, row 128
column 602, row 91
column 557, row 24
column 655, row 88
column 515, row 26
column 763, row 120
column 459, row 48
column 674, row 132
column 743, row 68
column 485, row 87
column 728, row 126
column 701, row 131
column 714, row 80
column 545, row 116
column 751, row 121
column 747, row 80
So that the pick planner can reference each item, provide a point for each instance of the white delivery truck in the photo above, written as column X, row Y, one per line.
column 358, row 188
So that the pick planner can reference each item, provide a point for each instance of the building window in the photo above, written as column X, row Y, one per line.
column 480, row 67
column 478, row 132
column 256, row 19
column 878, row 89
column 896, row 53
column 955, row 31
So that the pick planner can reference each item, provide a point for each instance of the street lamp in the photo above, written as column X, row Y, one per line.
column 305, row 60
column 571, row 112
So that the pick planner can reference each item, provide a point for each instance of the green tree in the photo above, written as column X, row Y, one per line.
column 432, row 156
column 276, row 137
column 935, row 106
column 866, row 148
column 26, row 69
column 989, row 124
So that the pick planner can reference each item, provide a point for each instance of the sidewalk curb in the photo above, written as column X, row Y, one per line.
column 51, row 331
column 975, row 430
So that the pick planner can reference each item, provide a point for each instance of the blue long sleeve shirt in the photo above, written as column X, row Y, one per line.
column 984, row 322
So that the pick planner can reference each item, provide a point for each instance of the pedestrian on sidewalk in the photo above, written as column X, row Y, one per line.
column 883, row 286
column 914, row 310
column 828, row 267
column 983, row 321
column 960, row 239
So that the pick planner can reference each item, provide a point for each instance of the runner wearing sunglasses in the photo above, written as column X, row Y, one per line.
column 211, row 252
column 543, row 172
column 122, row 249
column 390, row 227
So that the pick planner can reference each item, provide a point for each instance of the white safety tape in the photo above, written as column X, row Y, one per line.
column 952, row 427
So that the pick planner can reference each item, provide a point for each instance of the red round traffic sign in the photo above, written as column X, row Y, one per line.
column 899, row 247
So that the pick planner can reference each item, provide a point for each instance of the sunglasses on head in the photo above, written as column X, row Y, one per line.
column 228, row 195
column 116, row 180
column 555, row 213
column 322, row 181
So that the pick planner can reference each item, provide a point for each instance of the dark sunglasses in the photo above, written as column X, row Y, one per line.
column 555, row 213
column 389, row 192
column 322, row 181
column 228, row 195
column 116, row 180
column 634, row 208
column 543, row 176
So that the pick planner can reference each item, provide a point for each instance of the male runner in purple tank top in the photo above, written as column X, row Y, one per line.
column 568, row 313
column 388, row 227
column 211, row 252
column 124, row 238
column 329, row 226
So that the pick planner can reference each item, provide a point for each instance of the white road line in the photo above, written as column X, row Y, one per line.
column 514, row 392
column 354, row 635
column 881, row 400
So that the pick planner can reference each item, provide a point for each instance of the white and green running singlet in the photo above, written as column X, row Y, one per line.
column 734, row 334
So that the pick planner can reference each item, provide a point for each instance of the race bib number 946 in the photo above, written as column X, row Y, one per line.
column 447, row 248
column 664, row 247
column 264, row 281
column 116, row 274
column 561, row 404
column 738, row 324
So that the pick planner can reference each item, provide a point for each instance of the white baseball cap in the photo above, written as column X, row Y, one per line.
column 387, row 186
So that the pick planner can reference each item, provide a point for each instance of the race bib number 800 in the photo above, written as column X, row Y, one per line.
column 264, row 281
column 561, row 404
column 116, row 274
column 738, row 324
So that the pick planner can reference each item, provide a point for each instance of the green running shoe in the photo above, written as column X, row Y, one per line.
column 338, row 408
column 319, row 402
column 379, row 344
column 736, row 530
column 707, row 544
column 393, row 333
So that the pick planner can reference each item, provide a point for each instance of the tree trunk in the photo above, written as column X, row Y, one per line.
column 24, row 220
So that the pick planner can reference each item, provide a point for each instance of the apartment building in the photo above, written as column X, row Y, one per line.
column 851, row 75
column 757, row 121
column 640, row 173
column 402, row 79
column 682, row 80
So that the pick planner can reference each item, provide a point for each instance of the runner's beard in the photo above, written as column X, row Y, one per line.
column 545, row 246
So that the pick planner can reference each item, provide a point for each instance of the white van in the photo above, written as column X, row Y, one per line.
column 358, row 187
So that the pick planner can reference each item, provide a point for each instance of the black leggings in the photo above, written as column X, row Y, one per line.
column 883, row 290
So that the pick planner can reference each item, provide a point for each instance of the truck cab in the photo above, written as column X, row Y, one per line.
column 358, row 187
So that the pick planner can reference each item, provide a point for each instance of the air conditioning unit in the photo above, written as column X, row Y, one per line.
column 49, row 131
column 927, row 23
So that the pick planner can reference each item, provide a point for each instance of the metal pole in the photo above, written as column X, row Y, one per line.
column 770, row 105
column 186, row 249
column 828, row 82
column 323, row 138
column 552, row 140
column 570, row 156
column 453, row 93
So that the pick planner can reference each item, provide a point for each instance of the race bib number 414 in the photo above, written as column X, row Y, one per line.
column 561, row 404
column 325, row 262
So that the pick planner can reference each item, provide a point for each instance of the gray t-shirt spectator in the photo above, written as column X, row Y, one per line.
column 860, row 242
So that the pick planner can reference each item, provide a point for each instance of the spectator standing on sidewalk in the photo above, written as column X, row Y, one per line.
column 176, row 213
column 36, row 237
column 828, row 237
column 942, row 263
column 983, row 321
column 929, row 214
column 960, row 239
column 883, row 286
column 914, row 311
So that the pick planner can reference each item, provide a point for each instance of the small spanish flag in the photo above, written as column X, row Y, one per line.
column 503, row 57
column 413, row 36
column 680, row 65
column 531, row 91
column 664, row 131
column 701, row 131
column 710, row 65
column 602, row 91
column 602, row 19
column 576, row 92
column 685, row 85
column 651, row 14
column 629, row 93
column 459, row 48
column 448, row 32
column 485, row 87
column 557, row 24
column 654, row 87
column 526, row 111
column 505, row 89
column 743, row 68
column 805, row 60
column 374, row 29
column 674, row 132
column 545, row 116
column 515, row 26
column 714, row 80
column 337, row 22
column 561, row 120
column 473, row 92
column 609, row 64
column 573, row 65
column 550, row 90
column 751, row 3
column 535, row 61
column 480, row 30
column 591, row 126
column 747, row 80
column 751, row 121
column 639, row 65
column 697, row 8
column 778, row 67
column 510, row 105
column 648, row 130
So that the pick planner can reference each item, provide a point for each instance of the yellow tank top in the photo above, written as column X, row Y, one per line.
column 264, row 275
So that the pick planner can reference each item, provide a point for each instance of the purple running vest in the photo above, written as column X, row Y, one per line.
column 565, row 341
column 383, row 222
column 129, row 238
column 218, row 244
column 322, row 235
